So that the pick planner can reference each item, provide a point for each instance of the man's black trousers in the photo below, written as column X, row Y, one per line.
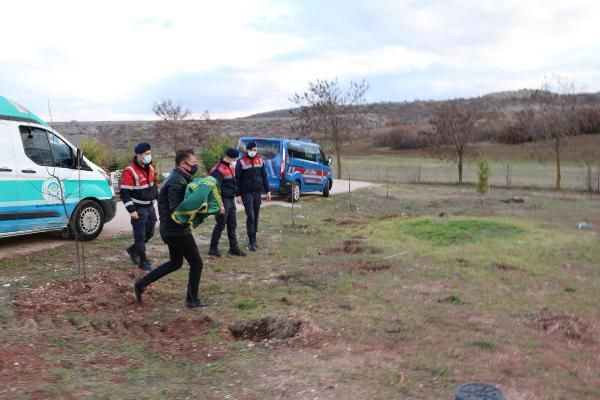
column 228, row 219
column 143, row 227
column 252, row 207
column 180, row 247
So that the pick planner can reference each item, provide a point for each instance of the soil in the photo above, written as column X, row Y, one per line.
column 367, row 267
column 567, row 325
column 107, row 307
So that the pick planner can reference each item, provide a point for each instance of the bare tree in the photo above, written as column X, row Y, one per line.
column 589, row 157
column 327, row 109
column 171, row 116
column 204, row 128
column 454, row 126
column 556, row 104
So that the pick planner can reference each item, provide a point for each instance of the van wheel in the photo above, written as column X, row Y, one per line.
column 326, row 190
column 294, row 195
column 88, row 220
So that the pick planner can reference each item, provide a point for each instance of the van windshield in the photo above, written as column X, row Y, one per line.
column 267, row 149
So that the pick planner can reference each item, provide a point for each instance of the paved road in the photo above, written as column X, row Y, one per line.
column 22, row 245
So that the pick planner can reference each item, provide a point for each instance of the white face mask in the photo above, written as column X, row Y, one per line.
column 147, row 159
column 251, row 154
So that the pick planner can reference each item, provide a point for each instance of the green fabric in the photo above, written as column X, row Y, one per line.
column 202, row 198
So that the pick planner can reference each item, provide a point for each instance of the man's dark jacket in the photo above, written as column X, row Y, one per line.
column 170, row 196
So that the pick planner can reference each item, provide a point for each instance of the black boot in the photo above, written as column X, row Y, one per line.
column 144, row 264
column 195, row 304
column 252, row 243
column 214, row 251
column 133, row 255
column 138, row 289
column 234, row 250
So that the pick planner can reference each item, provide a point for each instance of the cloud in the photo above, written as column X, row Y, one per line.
column 113, row 59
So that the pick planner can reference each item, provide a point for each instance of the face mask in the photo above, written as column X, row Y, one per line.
column 193, row 169
column 147, row 159
column 251, row 154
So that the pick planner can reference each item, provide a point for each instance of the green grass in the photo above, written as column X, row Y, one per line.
column 439, row 313
column 418, row 169
column 442, row 232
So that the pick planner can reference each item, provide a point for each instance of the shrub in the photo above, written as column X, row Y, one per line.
column 400, row 137
column 483, row 173
column 213, row 151
column 589, row 119
column 95, row 151
column 119, row 161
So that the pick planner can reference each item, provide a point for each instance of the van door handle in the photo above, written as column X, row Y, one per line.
column 28, row 171
column 3, row 169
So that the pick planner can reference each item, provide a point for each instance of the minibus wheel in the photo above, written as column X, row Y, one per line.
column 326, row 189
column 88, row 220
column 294, row 195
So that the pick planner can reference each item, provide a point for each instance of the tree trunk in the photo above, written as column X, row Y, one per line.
column 460, row 168
column 338, row 156
column 557, row 151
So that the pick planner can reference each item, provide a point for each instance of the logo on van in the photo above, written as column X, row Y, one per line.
column 53, row 190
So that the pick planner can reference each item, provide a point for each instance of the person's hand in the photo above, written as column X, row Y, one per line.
column 134, row 215
column 268, row 196
column 239, row 199
column 222, row 211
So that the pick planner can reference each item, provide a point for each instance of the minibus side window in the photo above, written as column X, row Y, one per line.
column 297, row 151
column 310, row 153
column 36, row 146
column 322, row 157
column 61, row 152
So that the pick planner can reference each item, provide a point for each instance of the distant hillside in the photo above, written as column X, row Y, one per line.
column 121, row 134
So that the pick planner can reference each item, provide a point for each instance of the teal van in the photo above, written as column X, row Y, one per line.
column 41, row 187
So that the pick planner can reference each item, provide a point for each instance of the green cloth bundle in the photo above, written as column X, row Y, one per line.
column 202, row 198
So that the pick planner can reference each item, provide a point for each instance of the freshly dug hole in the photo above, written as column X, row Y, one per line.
column 269, row 327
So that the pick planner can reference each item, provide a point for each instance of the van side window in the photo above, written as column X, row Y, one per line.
column 303, row 152
column 36, row 146
column 61, row 152
column 322, row 157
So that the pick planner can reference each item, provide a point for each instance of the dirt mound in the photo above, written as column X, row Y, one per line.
column 350, row 222
column 17, row 361
column 180, row 337
column 376, row 250
column 367, row 267
column 109, row 289
column 570, row 326
column 303, row 229
column 506, row 267
column 353, row 245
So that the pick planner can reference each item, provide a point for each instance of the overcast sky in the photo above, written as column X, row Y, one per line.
column 110, row 60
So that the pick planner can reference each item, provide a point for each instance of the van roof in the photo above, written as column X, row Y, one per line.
column 303, row 140
column 11, row 110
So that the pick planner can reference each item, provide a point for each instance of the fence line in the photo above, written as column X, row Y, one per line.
column 502, row 174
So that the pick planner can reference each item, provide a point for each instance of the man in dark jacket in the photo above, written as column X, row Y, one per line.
column 177, row 236
column 138, row 192
column 224, row 173
column 251, row 180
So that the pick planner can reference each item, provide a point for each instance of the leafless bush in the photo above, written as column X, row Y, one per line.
column 399, row 136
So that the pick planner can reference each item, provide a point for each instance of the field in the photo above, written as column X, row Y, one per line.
column 531, row 165
column 403, row 296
